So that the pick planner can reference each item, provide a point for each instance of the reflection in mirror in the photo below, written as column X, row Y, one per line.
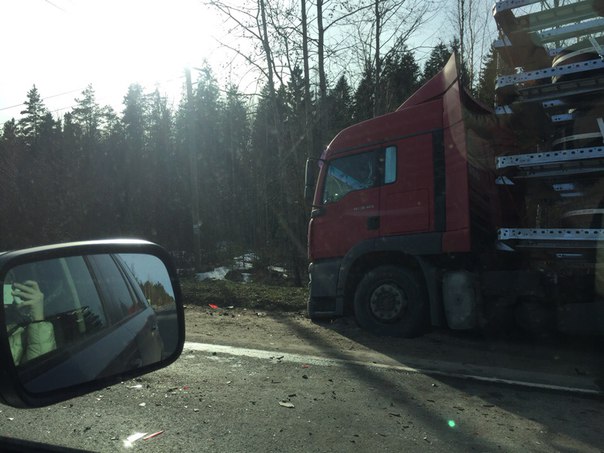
column 150, row 274
column 72, row 320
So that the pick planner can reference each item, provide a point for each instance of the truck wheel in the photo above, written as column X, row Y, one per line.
column 391, row 301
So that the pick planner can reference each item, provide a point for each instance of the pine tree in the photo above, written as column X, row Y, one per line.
column 33, row 116
column 341, row 106
column 400, row 76
column 237, row 209
column 485, row 89
column 87, row 116
column 437, row 60
column 364, row 95
column 133, row 196
column 210, row 159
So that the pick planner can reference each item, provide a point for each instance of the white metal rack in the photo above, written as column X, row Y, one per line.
column 574, row 83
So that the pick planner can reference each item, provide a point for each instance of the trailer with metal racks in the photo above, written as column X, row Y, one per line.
column 450, row 213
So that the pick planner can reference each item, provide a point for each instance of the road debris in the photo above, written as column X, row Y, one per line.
column 213, row 306
column 128, row 443
column 137, row 386
column 151, row 436
column 142, row 404
column 286, row 404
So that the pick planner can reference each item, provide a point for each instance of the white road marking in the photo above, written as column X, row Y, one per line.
column 439, row 368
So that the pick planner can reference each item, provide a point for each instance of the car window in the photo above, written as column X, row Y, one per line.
column 147, row 272
column 71, row 307
column 124, row 301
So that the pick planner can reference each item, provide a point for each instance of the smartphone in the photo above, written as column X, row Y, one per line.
column 8, row 295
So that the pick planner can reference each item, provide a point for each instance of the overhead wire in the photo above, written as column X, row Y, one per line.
column 156, row 84
column 43, row 99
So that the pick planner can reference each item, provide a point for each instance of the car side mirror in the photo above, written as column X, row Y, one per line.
column 81, row 316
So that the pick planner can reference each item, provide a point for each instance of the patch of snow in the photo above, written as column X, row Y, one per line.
column 244, row 262
column 217, row 274
column 278, row 269
column 241, row 263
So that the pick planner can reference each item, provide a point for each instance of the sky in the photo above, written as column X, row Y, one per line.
column 63, row 45
column 148, row 268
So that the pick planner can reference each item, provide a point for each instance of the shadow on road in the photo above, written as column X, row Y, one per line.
column 575, row 419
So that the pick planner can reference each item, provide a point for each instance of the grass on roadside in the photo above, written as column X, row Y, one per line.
column 254, row 296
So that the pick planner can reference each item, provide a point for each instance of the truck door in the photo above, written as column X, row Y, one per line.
column 349, row 211
column 407, row 193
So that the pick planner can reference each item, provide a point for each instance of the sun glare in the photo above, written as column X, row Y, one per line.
column 109, row 43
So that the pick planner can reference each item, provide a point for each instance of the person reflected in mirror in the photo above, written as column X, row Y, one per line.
column 30, row 335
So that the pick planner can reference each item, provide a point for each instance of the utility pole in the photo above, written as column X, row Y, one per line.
column 194, row 178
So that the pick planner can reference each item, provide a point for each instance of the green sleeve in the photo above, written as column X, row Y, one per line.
column 40, row 339
column 16, row 345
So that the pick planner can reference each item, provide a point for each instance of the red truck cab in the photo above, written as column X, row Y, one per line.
column 398, row 189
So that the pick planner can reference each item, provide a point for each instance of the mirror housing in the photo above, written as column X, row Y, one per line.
column 91, row 337
column 309, row 180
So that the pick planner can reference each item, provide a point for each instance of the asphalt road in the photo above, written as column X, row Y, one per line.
column 230, row 400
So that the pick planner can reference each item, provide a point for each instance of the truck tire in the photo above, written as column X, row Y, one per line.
column 391, row 301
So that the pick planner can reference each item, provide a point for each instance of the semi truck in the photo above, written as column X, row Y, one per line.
column 448, row 212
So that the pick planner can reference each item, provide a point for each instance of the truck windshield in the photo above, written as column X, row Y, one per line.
column 361, row 171
column 348, row 174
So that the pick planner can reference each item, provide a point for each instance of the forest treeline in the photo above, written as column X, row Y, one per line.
column 94, row 172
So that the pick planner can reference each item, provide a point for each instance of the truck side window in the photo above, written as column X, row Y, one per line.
column 390, row 165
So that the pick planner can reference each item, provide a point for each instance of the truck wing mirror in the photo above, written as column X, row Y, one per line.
column 309, row 179
column 78, row 317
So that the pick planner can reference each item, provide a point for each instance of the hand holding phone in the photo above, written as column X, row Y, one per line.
column 28, row 294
